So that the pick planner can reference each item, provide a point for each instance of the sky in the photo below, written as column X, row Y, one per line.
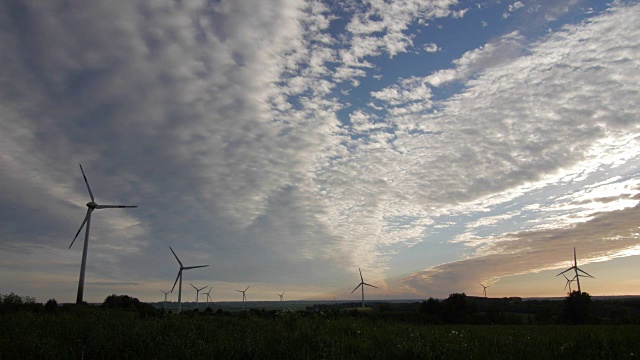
column 435, row 144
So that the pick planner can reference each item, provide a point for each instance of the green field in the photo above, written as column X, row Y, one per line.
column 115, row 334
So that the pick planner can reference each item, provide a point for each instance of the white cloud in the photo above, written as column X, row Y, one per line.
column 220, row 120
column 431, row 48
column 492, row 54
column 515, row 6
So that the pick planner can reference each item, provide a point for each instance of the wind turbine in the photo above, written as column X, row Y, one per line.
column 362, row 283
column 576, row 269
column 569, row 281
column 182, row 267
column 165, row 299
column 281, row 296
column 244, row 296
column 91, row 205
column 484, row 289
column 208, row 293
column 197, row 294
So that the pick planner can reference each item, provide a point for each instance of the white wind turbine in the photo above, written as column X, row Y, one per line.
column 484, row 289
column 182, row 267
column 197, row 294
column 91, row 205
column 576, row 269
column 208, row 293
column 165, row 299
column 362, row 283
column 244, row 296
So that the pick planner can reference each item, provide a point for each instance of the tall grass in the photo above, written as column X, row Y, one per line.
column 123, row 335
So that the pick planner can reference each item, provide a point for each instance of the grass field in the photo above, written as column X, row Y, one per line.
column 123, row 335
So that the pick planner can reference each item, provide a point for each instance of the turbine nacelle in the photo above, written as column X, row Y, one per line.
column 92, row 205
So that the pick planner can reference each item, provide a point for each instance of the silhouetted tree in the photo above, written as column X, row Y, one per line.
column 431, row 306
column 120, row 302
column 456, row 308
column 51, row 306
column 577, row 307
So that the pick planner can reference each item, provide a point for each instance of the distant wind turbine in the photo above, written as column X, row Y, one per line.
column 281, row 296
column 91, row 205
column 197, row 294
column 165, row 299
column 569, row 281
column 575, row 268
column 362, row 283
column 484, row 289
column 208, row 293
column 182, row 267
column 244, row 296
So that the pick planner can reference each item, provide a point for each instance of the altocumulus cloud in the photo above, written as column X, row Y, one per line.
column 220, row 120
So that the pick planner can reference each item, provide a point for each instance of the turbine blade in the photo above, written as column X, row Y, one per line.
column 179, row 262
column 575, row 259
column 247, row 288
column 584, row 272
column 86, row 182
column 361, row 279
column 193, row 286
column 175, row 282
column 356, row 288
column 115, row 206
column 571, row 268
column 370, row 285
column 86, row 218
column 194, row 267
column 202, row 288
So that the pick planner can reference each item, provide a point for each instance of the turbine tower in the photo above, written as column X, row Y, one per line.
column 362, row 283
column 182, row 267
column 208, row 293
column 244, row 296
column 164, row 306
column 484, row 289
column 91, row 205
column 576, row 269
column 197, row 294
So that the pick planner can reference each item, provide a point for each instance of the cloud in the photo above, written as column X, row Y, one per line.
column 520, row 124
column 431, row 48
column 377, row 28
column 605, row 237
column 515, row 6
column 495, row 53
column 221, row 121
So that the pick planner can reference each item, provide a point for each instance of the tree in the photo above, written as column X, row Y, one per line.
column 457, row 309
column 577, row 307
column 431, row 306
column 51, row 306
